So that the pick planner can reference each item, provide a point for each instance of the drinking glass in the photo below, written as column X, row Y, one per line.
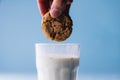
column 57, row 61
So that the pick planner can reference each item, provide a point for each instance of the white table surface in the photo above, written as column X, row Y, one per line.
column 16, row 76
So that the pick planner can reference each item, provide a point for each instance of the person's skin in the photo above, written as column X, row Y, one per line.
column 56, row 7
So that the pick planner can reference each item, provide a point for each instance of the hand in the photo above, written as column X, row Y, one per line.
column 56, row 7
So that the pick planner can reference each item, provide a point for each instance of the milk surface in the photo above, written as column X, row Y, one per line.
column 53, row 67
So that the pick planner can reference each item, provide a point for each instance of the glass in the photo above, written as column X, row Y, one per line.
column 57, row 61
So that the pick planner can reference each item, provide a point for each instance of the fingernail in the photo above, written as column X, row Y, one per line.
column 55, row 12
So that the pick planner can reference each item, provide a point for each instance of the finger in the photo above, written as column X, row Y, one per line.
column 67, row 9
column 43, row 6
column 57, row 7
column 69, row 1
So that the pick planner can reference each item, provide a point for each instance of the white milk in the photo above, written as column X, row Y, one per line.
column 56, row 67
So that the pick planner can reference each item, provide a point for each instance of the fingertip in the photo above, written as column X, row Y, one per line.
column 55, row 12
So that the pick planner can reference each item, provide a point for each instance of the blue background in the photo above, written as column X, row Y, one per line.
column 96, row 28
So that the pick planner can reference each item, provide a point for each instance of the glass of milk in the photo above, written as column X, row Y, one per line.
column 57, row 61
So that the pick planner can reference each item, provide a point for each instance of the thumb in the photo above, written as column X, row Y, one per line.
column 57, row 7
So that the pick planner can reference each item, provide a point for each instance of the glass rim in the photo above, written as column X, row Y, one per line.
column 57, row 44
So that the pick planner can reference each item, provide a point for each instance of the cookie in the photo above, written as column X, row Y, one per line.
column 57, row 29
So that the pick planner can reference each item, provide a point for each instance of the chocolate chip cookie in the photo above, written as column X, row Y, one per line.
column 57, row 29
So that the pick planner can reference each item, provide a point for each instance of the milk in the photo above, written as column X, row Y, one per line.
column 56, row 67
